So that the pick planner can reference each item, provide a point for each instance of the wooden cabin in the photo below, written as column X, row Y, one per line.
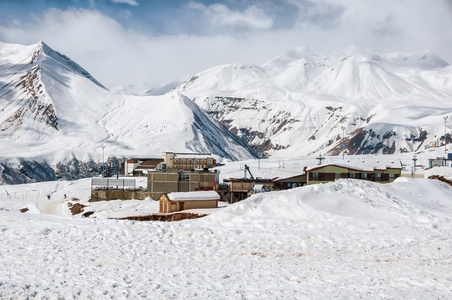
column 173, row 202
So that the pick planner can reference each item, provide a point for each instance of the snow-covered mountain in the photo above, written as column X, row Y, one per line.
column 51, row 109
column 304, row 102
column 299, row 103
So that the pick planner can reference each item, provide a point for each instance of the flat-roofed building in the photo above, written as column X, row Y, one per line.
column 175, row 180
column 331, row 172
column 173, row 202
column 188, row 161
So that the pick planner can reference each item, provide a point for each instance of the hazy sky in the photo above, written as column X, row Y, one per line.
column 156, row 41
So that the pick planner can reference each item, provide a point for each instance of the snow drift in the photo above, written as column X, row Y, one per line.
column 345, row 239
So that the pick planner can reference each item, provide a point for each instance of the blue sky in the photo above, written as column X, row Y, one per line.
column 156, row 41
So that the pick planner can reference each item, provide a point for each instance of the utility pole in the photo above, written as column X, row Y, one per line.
column 259, row 160
column 343, row 142
column 445, row 136
column 103, row 159
column 320, row 159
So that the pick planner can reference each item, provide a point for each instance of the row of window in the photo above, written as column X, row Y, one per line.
column 189, row 166
column 353, row 175
column 190, row 161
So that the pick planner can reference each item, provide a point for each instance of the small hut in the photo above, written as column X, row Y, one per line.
column 173, row 202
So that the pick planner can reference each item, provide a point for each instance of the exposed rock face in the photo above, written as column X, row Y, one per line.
column 304, row 102
column 224, row 108
column 28, row 103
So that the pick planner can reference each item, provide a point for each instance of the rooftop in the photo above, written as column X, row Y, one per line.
column 194, row 196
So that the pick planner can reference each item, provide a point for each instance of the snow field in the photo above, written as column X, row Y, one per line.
column 346, row 239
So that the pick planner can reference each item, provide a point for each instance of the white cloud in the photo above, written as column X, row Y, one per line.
column 97, row 42
column 117, row 55
column 385, row 25
column 130, row 2
column 220, row 15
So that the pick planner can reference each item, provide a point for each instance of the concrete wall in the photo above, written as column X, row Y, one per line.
column 240, row 186
column 102, row 195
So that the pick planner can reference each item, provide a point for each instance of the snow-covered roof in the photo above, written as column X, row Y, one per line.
column 193, row 196
column 195, row 156
column 356, row 167
column 258, row 187
column 290, row 177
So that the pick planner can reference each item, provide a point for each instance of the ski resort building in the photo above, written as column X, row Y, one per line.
column 331, row 172
column 158, row 182
column 174, row 180
column 139, row 166
column 188, row 161
column 237, row 189
column 180, row 161
column 173, row 202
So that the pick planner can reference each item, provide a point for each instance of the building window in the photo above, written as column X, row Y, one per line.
column 364, row 175
column 378, row 175
column 189, row 161
column 209, row 161
column 337, row 175
column 392, row 176
column 176, row 161
column 183, row 166
column 352, row 175
column 176, row 166
column 203, row 161
column 184, row 177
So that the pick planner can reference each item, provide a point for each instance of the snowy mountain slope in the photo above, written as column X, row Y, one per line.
column 52, row 109
column 146, row 89
column 168, row 123
column 303, row 102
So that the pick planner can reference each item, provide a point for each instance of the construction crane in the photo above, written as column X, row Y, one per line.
column 248, row 169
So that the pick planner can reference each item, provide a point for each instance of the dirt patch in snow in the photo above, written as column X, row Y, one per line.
column 441, row 178
column 87, row 214
column 24, row 210
column 76, row 208
column 165, row 218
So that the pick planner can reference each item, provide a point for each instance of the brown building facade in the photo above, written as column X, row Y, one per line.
column 174, row 180
column 189, row 161
column 173, row 202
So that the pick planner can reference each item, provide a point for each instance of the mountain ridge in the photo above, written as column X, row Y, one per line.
column 315, row 95
column 299, row 103
column 52, row 109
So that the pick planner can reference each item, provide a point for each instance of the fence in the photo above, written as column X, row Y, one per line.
column 20, row 195
column 106, row 183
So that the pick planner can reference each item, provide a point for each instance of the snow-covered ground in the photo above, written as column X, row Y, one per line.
column 345, row 239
